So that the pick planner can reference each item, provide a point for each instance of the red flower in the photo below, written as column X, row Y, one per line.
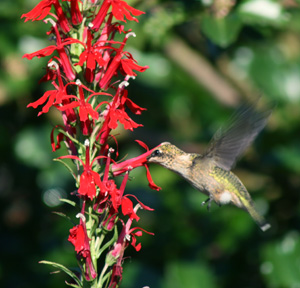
column 91, row 55
column 118, row 200
column 119, row 114
column 134, row 108
column 79, row 238
column 51, row 73
column 75, row 13
column 59, row 47
column 116, row 276
column 41, row 10
column 120, row 9
column 128, row 65
column 85, row 108
column 115, row 111
column 97, row 22
column 54, row 97
column 89, row 179
column 120, row 168
column 127, row 234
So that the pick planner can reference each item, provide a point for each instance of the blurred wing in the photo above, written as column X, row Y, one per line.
column 231, row 141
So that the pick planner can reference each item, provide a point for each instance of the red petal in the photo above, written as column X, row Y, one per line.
column 141, row 143
column 127, row 206
column 152, row 185
column 77, row 237
column 87, row 185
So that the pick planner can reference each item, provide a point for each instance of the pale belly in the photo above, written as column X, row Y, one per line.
column 222, row 189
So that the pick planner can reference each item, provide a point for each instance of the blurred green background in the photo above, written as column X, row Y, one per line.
column 205, row 57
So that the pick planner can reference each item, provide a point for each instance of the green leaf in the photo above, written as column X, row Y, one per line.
column 67, row 166
column 62, row 215
column 72, row 285
column 64, row 269
column 72, row 203
column 222, row 31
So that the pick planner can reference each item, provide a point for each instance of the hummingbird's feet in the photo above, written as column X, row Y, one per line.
column 208, row 202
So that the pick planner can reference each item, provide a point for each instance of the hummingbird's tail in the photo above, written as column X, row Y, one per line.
column 259, row 219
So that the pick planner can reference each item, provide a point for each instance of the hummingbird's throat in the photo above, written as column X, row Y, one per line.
column 180, row 164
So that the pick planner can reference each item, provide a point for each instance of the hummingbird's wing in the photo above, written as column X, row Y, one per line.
column 230, row 142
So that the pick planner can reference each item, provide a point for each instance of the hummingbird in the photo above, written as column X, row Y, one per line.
column 210, row 172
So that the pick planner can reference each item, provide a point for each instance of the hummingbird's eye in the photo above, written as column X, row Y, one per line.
column 156, row 153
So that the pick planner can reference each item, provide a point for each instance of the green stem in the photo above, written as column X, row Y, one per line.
column 74, row 140
column 102, row 278
column 89, row 226
column 98, row 243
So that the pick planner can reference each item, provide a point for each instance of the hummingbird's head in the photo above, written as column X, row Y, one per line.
column 170, row 157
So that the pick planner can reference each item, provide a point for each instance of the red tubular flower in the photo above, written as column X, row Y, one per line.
column 91, row 55
column 79, row 238
column 118, row 199
column 54, row 97
column 51, row 73
column 117, row 60
column 120, row 10
column 110, row 185
column 108, row 32
column 85, row 108
column 89, row 179
column 120, row 168
column 117, row 252
column 59, row 47
column 128, row 65
column 75, row 13
column 41, row 10
column 97, row 22
column 115, row 111
column 134, row 108
column 116, row 276
column 120, row 115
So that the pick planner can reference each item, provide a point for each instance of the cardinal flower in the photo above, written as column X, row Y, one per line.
column 76, row 15
column 127, row 65
column 115, row 112
column 60, row 48
column 54, row 97
column 122, row 167
column 85, row 108
column 126, row 236
column 79, row 238
column 41, row 10
column 89, row 179
column 91, row 56
column 120, row 10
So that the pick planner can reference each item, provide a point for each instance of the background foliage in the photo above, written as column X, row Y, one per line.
column 205, row 58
